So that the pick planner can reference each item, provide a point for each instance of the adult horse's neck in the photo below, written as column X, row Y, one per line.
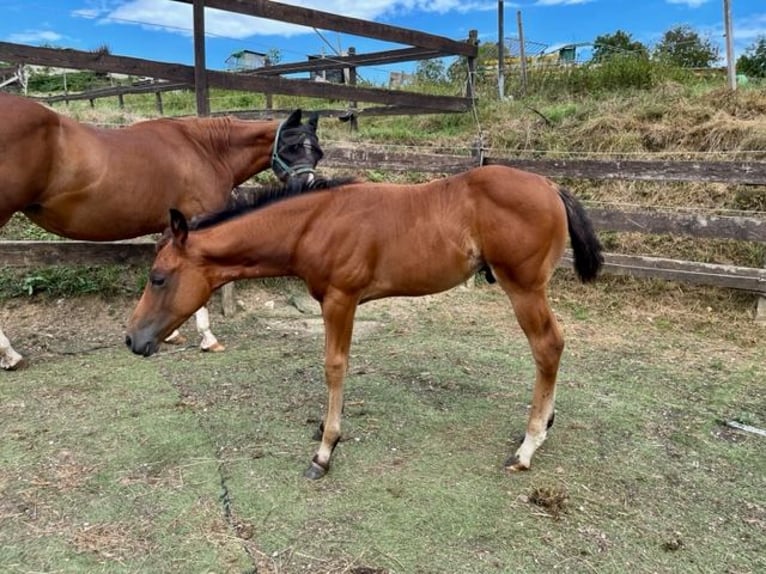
column 249, row 146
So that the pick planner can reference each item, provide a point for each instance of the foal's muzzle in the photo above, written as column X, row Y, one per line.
column 141, row 346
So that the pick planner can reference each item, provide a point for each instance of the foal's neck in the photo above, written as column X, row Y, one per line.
column 248, row 247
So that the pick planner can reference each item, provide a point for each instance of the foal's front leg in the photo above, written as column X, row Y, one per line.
column 338, row 313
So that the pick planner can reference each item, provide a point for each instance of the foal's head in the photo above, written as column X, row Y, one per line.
column 296, row 150
column 177, row 287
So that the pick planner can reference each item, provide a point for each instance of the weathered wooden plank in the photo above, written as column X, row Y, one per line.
column 116, row 91
column 357, row 60
column 726, row 276
column 100, row 62
column 697, row 225
column 20, row 254
column 30, row 254
column 386, row 160
column 338, row 23
column 753, row 172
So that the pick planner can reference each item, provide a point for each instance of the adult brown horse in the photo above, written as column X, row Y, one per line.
column 90, row 183
column 363, row 241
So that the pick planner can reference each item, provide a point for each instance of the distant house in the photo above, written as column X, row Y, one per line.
column 333, row 75
column 245, row 60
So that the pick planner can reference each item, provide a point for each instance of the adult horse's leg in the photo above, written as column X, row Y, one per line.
column 208, row 342
column 9, row 359
column 544, row 335
column 338, row 313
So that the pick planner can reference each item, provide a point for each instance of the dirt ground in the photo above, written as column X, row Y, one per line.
column 187, row 461
column 45, row 326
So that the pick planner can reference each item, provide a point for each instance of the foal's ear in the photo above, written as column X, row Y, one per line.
column 179, row 227
column 313, row 121
column 293, row 120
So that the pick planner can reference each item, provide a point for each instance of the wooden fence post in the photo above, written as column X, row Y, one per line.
column 760, row 309
column 473, row 39
column 353, row 125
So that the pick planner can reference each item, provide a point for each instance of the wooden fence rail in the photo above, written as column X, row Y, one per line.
column 739, row 227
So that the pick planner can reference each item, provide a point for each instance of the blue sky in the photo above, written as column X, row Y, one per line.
column 161, row 29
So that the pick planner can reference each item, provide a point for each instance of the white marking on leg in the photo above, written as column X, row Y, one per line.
column 9, row 358
column 209, row 342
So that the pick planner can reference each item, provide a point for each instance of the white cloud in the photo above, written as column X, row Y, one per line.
column 561, row 2
column 35, row 37
column 750, row 30
column 177, row 17
column 689, row 3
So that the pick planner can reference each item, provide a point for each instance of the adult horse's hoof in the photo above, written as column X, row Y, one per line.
column 175, row 339
column 17, row 366
column 214, row 348
column 513, row 464
column 315, row 471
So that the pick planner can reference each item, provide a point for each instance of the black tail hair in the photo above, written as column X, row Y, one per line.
column 588, row 258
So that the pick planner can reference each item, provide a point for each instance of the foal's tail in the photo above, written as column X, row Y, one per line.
column 585, row 244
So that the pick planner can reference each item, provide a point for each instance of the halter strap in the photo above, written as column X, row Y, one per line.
column 279, row 162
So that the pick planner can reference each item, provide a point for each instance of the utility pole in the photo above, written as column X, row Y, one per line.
column 731, row 67
column 522, row 55
column 500, row 50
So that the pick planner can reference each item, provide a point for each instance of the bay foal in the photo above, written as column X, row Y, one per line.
column 362, row 241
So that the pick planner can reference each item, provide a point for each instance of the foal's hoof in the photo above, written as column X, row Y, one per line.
column 214, row 348
column 315, row 471
column 514, row 464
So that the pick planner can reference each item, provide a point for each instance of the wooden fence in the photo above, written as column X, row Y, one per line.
column 740, row 228
column 269, row 80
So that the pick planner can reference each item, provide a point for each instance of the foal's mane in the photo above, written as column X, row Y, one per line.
column 246, row 201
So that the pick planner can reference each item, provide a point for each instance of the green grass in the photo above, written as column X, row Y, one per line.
column 193, row 462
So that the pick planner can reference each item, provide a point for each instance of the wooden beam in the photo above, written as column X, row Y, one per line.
column 697, row 225
column 354, row 26
column 100, row 62
column 116, row 91
column 30, row 254
column 385, row 160
column 670, row 170
column 726, row 276
column 358, row 60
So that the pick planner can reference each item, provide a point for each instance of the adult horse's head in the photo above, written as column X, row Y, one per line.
column 177, row 287
column 296, row 150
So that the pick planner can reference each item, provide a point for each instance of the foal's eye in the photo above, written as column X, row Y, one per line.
column 156, row 279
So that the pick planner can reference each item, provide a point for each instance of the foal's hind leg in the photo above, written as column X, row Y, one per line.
column 544, row 335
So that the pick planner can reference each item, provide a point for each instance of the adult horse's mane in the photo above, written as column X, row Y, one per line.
column 247, row 201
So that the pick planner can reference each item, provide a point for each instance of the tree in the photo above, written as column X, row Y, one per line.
column 430, row 71
column 618, row 44
column 753, row 62
column 683, row 47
